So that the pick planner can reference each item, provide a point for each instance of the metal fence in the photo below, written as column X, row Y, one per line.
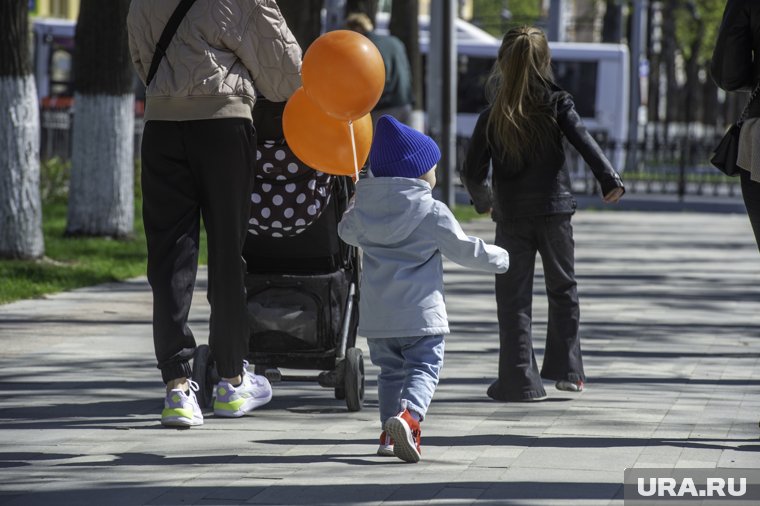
column 55, row 133
column 679, row 166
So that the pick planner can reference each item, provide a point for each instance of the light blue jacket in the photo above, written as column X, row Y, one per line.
column 403, row 231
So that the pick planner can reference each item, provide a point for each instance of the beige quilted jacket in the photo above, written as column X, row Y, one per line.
column 224, row 53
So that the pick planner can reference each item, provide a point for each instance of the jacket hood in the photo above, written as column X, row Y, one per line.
column 392, row 207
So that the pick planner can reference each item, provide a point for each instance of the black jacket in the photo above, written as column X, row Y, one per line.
column 732, row 65
column 539, row 185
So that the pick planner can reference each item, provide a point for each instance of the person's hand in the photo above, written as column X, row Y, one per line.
column 613, row 196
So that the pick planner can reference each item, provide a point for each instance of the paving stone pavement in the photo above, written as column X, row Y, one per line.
column 670, row 321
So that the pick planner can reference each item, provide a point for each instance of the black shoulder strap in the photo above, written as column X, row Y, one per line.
column 752, row 98
column 166, row 37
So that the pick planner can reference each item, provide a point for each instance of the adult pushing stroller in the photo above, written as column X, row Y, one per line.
column 302, row 280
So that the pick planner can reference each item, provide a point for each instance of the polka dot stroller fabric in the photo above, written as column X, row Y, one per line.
column 288, row 196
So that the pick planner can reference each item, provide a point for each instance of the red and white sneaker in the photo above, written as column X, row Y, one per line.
column 386, row 445
column 406, row 434
column 570, row 386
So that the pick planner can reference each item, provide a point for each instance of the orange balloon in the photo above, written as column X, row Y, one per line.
column 344, row 74
column 321, row 141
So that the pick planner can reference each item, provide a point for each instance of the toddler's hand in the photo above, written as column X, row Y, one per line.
column 613, row 196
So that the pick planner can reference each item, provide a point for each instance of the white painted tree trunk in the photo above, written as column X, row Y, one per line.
column 20, row 204
column 101, row 192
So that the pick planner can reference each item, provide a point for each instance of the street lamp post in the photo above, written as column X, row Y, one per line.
column 637, row 38
column 557, row 20
column 442, row 91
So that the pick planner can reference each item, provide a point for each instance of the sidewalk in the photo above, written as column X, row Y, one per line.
column 670, row 319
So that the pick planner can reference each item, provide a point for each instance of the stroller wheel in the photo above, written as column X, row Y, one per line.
column 204, row 374
column 354, row 379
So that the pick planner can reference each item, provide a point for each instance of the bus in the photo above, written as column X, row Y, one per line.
column 53, row 64
column 596, row 74
column 53, row 60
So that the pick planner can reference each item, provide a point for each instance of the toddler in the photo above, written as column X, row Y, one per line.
column 403, row 231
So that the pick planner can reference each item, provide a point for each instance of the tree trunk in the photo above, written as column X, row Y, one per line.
column 696, row 65
column 20, row 205
column 584, row 21
column 692, row 107
column 654, row 50
column 101, row 195
column 669, row 59
column 404, row 24
column 712, row 110
column 612, row 23
column 303, row 18
column 101, row 192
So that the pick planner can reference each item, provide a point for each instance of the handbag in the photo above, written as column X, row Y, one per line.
column 725, row 155
column 727, row 152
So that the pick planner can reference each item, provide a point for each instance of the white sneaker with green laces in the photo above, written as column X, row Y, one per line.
column 235, row 401
column 181, row 408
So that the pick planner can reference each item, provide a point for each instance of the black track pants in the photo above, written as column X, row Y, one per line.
column 192, row 169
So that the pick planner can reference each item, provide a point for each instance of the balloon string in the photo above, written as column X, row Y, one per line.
column 353, row 147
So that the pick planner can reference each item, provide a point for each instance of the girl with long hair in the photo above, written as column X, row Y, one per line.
column 520, row 138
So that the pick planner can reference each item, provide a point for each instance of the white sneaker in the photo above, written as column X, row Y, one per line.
column 570, row 386
column 386, row 446
column 234, row 402
column 181, row 408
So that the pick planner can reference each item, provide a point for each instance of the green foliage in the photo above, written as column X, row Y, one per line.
column 71, row 262
column 688, row 13
column 525, row 12
column 487, row 14
column 55, row 175
column 54, row 180
column 688, row 16
column 463, row 214
column 74, row 262
column 673, row 176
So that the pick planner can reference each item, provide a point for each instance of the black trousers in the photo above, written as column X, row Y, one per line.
column 552, row 237
column 192, row 169
column 751, row 195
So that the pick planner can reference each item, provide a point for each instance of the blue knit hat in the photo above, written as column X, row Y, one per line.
column 401, row 151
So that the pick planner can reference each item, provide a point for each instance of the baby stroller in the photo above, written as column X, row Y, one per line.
column 302, row 280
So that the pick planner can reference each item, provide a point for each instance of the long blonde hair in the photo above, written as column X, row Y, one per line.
column 521, row 118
